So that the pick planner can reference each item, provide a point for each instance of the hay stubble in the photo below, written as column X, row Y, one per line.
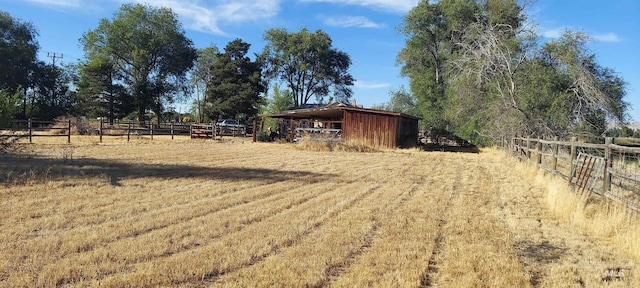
column 199, row 213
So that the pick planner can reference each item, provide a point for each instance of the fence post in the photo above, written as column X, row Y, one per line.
column 574, row 153
column 129, row 132
column 100, row 131
column 254, row 131
column 538, row 153
column 151, row 131
column 171, row 130
column 69, row 135
column 30, row 125
column 214, row 133
column 555, row 154
column 608, row 155
column 528, row 151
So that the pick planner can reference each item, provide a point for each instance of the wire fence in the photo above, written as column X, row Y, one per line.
column 610, row 169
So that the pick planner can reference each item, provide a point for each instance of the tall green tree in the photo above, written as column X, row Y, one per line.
column 431, row 29
column 52, row 93
column 524, row 88
column 236, row 87
column 100, row 94
column 18, row 47
column 308, row 64
column 595, row 93
column 149, row 50
column 201, row 77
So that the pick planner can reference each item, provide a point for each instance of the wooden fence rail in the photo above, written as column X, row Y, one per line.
column 34, row 128
column 609, row 170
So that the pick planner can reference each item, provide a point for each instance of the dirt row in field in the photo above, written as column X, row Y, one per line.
column 198, row 213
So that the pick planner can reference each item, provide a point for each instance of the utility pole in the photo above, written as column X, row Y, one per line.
column 54, row 56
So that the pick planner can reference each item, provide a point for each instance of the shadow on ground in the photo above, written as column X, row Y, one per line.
column 445, row 148
column 21, row 169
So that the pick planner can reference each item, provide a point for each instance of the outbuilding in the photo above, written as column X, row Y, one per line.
column 374, row 127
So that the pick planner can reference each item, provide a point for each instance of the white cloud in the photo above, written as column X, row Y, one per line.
column 351, row 21
column 608, row 37
column 58, row 3
column 208, row 17
column 553, row 34
column 398, row 6
column 557, row 33
column 370, row 86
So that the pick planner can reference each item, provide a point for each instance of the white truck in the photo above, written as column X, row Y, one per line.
column 230, row 127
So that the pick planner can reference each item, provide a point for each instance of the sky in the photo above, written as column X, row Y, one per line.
column 364, row 29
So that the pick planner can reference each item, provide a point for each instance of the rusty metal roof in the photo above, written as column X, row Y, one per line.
column 332, row 112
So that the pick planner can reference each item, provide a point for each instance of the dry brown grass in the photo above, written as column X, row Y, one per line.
column 239, row 214
column 600, row 218
column 327, row 145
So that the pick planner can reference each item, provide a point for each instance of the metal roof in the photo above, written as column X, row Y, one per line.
column 333, row 111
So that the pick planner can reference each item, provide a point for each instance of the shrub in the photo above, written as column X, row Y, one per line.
column 78, row 127
column 262, row 136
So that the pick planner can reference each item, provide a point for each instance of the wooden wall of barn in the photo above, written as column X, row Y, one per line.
column 407, row 132
column 379, row 129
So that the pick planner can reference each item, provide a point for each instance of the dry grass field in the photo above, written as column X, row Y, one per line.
column 199, row 213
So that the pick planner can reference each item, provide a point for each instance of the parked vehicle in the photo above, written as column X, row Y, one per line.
column 230, row 127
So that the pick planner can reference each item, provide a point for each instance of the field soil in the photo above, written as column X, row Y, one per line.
column 199, row 213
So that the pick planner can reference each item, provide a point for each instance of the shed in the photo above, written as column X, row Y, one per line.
column 374, row 127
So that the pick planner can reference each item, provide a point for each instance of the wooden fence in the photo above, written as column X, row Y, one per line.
column 34, row 128
column 609, row 170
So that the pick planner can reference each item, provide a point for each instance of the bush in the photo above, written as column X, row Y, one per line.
column 78, row 127
column 262, row 136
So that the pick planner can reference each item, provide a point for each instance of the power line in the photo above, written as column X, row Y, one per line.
column 53, row 56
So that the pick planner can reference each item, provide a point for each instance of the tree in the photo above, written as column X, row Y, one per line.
column 18, row 47
column 400, row 100
column 308, row 64
column 431, row 29
column 100, row 94
column 236, row 87
column 201, row 77
column 595, row 93
column 9, row 105
column 521, row 89
column 150, row 52
column 279, row 100
column 52, row 94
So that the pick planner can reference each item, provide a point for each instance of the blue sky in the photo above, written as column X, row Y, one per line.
column 365, row 29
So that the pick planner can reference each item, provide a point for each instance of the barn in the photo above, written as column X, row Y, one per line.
column 374, row 127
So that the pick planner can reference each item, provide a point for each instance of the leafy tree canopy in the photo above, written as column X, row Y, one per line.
column 149, row 50
column 236, row 86
column 477, row 70
column 18, row 47
column 308, row 64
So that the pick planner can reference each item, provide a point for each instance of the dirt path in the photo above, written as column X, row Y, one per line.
column 523, row 235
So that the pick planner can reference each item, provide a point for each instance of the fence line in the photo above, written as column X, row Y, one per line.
column 32, row 127
column 618, row 179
